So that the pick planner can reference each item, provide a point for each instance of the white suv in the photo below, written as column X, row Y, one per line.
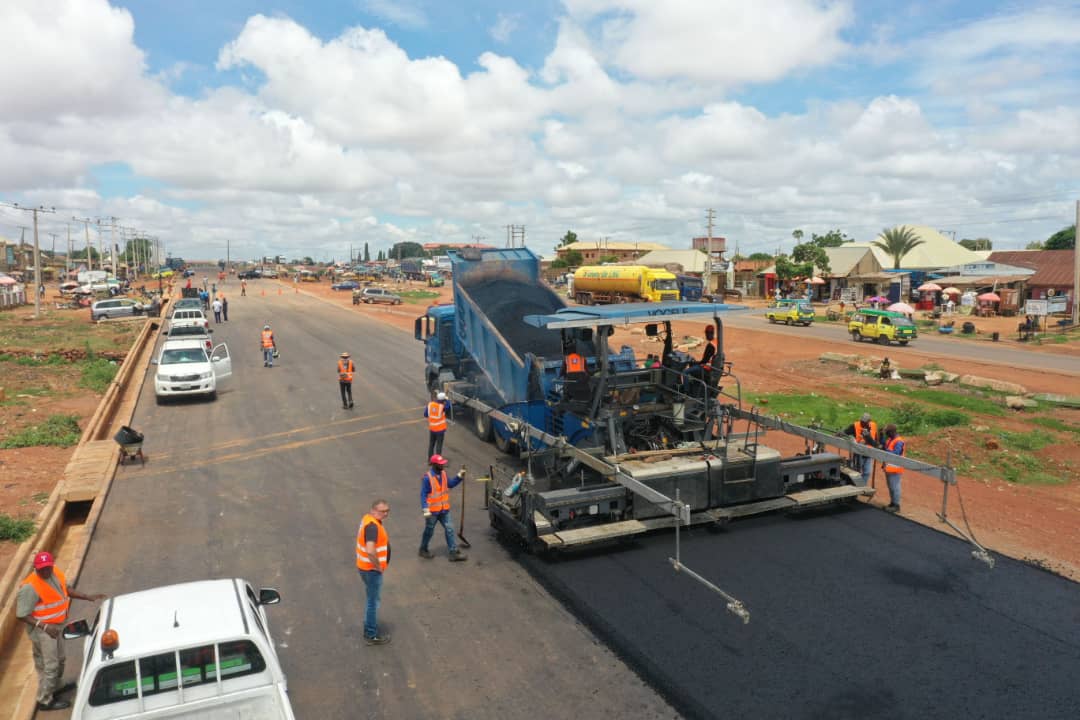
column 183, row 368
column 188, row 316
column 195, row 650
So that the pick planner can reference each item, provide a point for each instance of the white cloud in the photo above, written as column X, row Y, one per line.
column 504, row 27
column 403, row 13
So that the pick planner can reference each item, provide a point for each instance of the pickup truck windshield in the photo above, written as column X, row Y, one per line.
column 665, row 284
column 183, row 356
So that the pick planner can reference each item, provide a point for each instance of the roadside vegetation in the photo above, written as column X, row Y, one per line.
column 55, row 431
column 416, row 296
column 945, row 424
column 15, row 529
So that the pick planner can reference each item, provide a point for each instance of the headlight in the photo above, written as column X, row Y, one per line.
column 206, row 375
column 162, row 378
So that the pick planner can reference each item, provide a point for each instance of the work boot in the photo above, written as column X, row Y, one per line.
column 65, row 688
column 54, row 704
column 426, row 554
column 458, row 556
column 890, row 508
column 377, row 640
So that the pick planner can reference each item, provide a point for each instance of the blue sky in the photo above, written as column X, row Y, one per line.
column 337, row 123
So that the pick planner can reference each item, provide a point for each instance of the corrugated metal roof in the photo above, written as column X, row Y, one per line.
column 936, row 251
column 612, row 245
column 691, row 260
column 1053, row 268
column 843, row 259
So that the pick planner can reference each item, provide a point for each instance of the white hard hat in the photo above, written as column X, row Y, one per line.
column 440, row 396
column 266, row 327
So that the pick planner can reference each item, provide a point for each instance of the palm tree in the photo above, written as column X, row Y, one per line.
column 898, row 242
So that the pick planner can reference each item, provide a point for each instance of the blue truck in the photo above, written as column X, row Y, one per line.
column 690, row 287
column 617, row 445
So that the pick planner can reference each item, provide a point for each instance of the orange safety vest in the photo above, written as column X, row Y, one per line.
column 575, row 363
column 436, row 416
column 52, row 606
column 345, row 372
column 859, row 429
column 382, row 546
column 267, row 338
column 438, row 499
column 894, row 469
column 716, row 349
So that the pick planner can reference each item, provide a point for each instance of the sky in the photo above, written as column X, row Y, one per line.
column 300, row 127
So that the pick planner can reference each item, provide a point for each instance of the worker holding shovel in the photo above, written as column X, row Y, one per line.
column 435, row 505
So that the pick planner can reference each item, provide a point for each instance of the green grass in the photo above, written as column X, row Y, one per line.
column 15, row 529
column 1029, row 441
column 32, row 361
column 418, row 295
column 97, row 373
column 948, row 398
column 1024, row 469
column 56, row 430
column 1055, row 424
column 812, row 409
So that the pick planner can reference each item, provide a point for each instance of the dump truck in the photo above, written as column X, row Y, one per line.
column 413, row 269
column 605, row 284
column 616, row 448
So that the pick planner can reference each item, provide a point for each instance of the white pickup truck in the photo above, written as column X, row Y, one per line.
column 195, row 650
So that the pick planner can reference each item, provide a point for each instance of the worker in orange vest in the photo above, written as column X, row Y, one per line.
column 42, row 604
column 436, row 413
column 865, row 432
column 893, row 473
column 269, row 346
column 345, row 371
column 372, row 559
column 575, row 363
column 435, row 505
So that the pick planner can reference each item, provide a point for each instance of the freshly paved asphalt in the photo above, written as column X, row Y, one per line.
column 855, row 613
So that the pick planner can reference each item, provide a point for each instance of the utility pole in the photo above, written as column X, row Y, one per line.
column 86, row 228
column 37, row 252
column 228, row 248
column 1076, row 270
column 67, row 258
column 514, row 233
column 710, row 215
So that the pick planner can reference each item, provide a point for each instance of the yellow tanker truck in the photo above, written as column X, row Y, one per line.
column 601, row 284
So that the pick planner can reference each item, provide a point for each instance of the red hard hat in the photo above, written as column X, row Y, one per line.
column 710, row 328
column 437, row 460
column 43, row 560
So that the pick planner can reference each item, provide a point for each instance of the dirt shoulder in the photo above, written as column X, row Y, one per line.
column 1039, row 523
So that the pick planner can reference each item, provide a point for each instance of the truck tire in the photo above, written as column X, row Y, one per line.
column 787, row 321
column 482, row 426
column 883, row 340
column 504, row 445
column 856, row 336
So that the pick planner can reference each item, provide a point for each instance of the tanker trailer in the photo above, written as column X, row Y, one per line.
column 602, row 284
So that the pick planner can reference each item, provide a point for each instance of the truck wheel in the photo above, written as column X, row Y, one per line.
column 903, row 342
column 884, row 340
column 772, row 319
column 482, row 426
column 856, row 336
column 504, row 445
column 787, row 321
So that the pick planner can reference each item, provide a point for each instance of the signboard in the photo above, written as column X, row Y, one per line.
column 1036, row 307
column 1058, row 304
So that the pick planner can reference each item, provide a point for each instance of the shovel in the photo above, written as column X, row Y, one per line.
column 461, row 519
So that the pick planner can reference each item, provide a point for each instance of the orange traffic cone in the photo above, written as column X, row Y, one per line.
column 279, row 291
column 264, row 293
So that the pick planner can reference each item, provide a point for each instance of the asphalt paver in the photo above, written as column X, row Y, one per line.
column 855, row 614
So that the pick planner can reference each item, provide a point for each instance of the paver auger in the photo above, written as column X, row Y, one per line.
column 617, row 449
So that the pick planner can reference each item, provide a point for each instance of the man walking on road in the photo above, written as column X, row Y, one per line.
column 345, row 371
column 435, row 503
column 224, row 308
column 243, row 288
column 269, row 346
column 436, row 412
column 217, row 310
column 865, row 432
column 893, row 473
column 42, row 604
column 372, row 558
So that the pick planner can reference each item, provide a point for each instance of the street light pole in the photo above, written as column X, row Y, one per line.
column 37, row 253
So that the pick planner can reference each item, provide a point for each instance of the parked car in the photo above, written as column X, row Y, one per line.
column 372, row 295
column 269, row 274
column 185, row 368
column 196, row 332
column 252, row 274
column 345, row 285
column 189, row 273
column 163, row 274
column 883, row 326
column 790, row 311
column 115, row 307
column 198, row 649
column 188, row 316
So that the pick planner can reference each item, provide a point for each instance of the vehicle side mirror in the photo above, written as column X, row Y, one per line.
column 269, row 596
column 77, row 629
column 210, row 331
column 153, row 361
column 651, row 330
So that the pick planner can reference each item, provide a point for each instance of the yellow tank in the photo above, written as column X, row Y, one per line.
column 598, row 284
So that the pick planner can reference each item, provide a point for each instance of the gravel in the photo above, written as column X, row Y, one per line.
column 506, row 299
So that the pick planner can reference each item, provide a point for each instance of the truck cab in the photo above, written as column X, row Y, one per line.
column 194, row 650
column 442, row 352
column 691, row 287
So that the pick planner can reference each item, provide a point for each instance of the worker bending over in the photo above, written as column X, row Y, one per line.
column 865, row 432
column 435, row 503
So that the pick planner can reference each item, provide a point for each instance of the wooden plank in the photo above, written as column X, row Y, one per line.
column 86, row 472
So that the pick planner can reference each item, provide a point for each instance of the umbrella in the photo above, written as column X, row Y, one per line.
column 7, row 280
column 951, row 291
column 929, row 287
column 814, row 281
column 990, row 297
column 901, row 308
column 877, row 299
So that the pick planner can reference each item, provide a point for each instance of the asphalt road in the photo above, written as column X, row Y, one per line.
column 269, row 483
column 977, row 351
column 855, row 613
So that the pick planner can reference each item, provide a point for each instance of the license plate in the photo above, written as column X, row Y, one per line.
column 183, row 387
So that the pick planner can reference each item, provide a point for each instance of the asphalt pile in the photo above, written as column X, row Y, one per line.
column 506, row 298
column 854, row 614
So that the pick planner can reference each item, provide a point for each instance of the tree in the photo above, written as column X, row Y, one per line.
column 307, row 260
column 367, row 253
column 760, row 256
column 1064, row 239
column 898, row 242
column 573, row 258
column 559, row 263
column 407, row 249
column 798, row 235
column 833, row 238
column 787, row 270
column 977, row 244
column 382, row 256
column 608, row 259
column 813, row 254
column 81, row 254
column 137, row 249
column 1035, row 245
column 568, row 239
